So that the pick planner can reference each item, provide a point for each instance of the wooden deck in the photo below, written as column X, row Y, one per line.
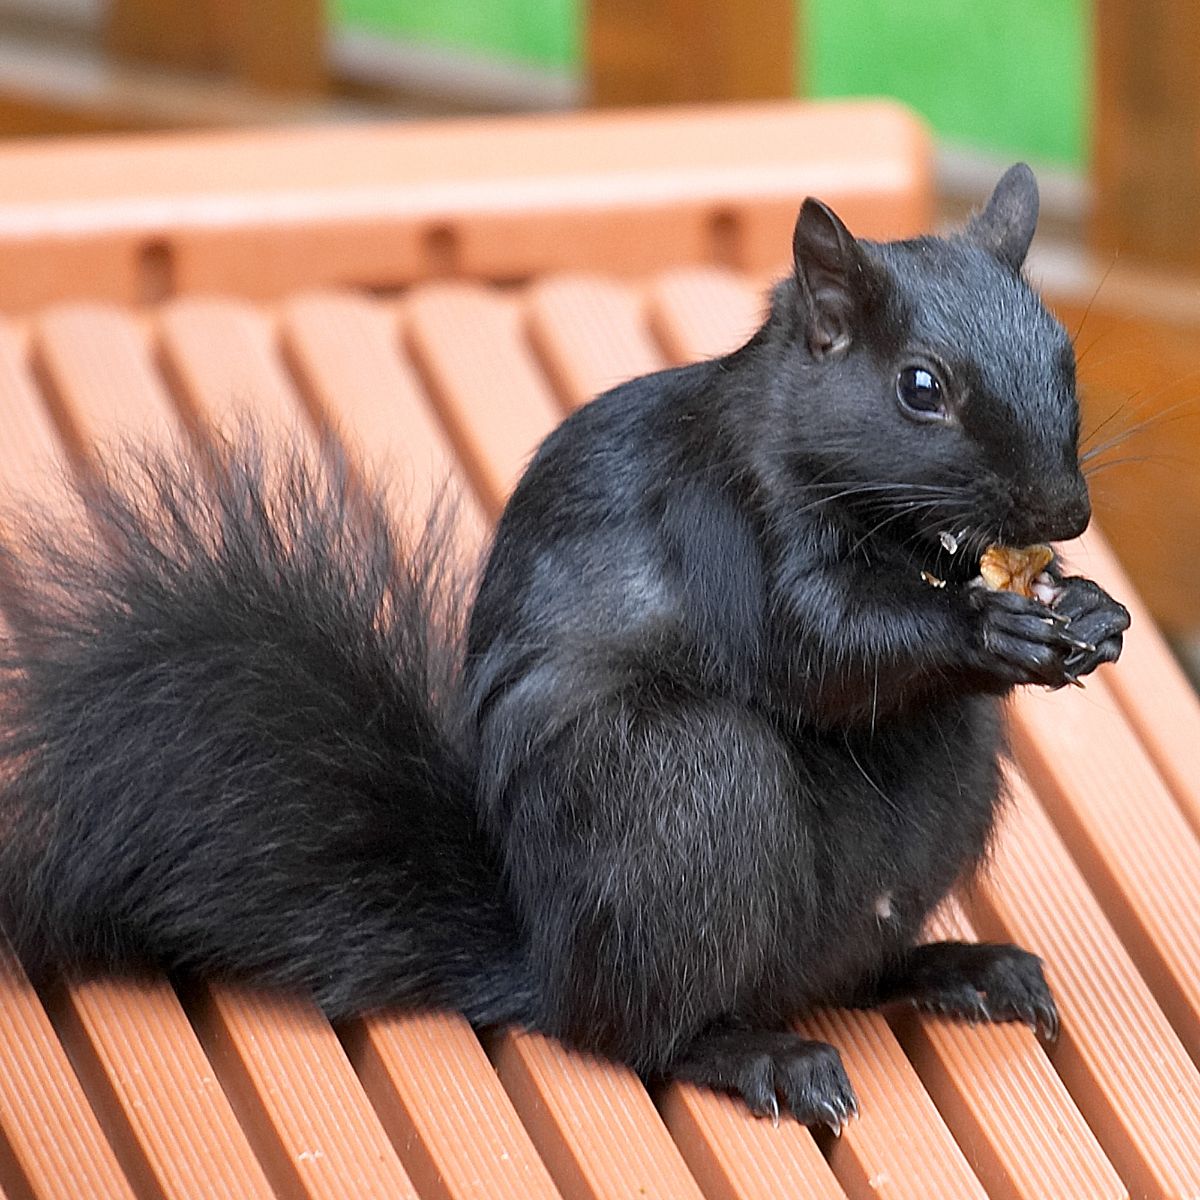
column 114, row 1089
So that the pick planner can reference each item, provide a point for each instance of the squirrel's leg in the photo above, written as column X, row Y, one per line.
column 655, row 851
column 976, row 981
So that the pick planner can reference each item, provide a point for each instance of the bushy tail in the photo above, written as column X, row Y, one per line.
column 229, row 740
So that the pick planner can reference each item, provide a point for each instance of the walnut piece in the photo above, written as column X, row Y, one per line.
column 1014, row 568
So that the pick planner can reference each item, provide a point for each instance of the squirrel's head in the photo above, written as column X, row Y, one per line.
column 935, row 381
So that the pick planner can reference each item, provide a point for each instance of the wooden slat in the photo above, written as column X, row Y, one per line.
column 703, row 312
column 1125, row 832
column 52, row 1133
column 496, row 404
column 998, row 1093
column 132, row 1045
column 440, row 1100
column 297, row 1097
column 32, row 459
column 1157, row 699
column 94, row 365
column 146, row 1076
column 897, row 1124
column 417, row 1068
column 593, row 1123
column 344, row 353
column 995, row 1089
column 30, row 453
column 1121, row 1061
column 736, row 1156
column 590, row 335
column 222, row 362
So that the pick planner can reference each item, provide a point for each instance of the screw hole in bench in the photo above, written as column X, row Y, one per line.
column 440, row 251
column 724, row 237
column 155, row 271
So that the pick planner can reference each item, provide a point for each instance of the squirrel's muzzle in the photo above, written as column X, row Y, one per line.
column 1054, row 516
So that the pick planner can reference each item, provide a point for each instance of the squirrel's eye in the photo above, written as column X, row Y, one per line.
column 920, row 394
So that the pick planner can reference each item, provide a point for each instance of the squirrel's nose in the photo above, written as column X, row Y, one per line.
column 1063, row 515
column 1048, row 512
column 1070, row 524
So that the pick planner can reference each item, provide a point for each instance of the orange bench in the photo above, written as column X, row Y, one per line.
column 441, row 295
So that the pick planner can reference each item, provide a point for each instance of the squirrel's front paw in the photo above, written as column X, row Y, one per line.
column 772, row 1069
column 1095, row 619
column 975, row 981
column 1021, row 640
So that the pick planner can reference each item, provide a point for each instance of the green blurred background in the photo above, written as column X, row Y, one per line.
column 1007, row 76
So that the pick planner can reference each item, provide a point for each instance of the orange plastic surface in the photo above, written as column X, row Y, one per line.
column 734, row 1156
column 496, row 405
column 171, row 1125
column 1126, row 833
column 438, row 1097
column 1149, row 685
column 592, row 1122
column 51, row 1132
column 898, row 1126
column 343, row 352
column 1117, row 1054
column 297, row 1097
column 998, row 1093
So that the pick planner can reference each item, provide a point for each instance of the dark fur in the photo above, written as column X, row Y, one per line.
column 233, row 744
column 716, row 748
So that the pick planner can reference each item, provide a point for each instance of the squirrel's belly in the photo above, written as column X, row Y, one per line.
column 902, row 819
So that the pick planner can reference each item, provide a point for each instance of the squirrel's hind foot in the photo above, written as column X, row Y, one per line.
column 773, row 1070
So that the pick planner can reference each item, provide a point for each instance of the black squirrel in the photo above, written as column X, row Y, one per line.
column 721, row 729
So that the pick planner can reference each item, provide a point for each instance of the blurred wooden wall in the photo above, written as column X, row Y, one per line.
column 1146, row 142
column 1139, row 375
column 1138, row 323
column 681, row 51
column 277, row 45
column 128, row 65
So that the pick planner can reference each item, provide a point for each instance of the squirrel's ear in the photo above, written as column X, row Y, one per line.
column 1006, row 225
column 830, row 273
